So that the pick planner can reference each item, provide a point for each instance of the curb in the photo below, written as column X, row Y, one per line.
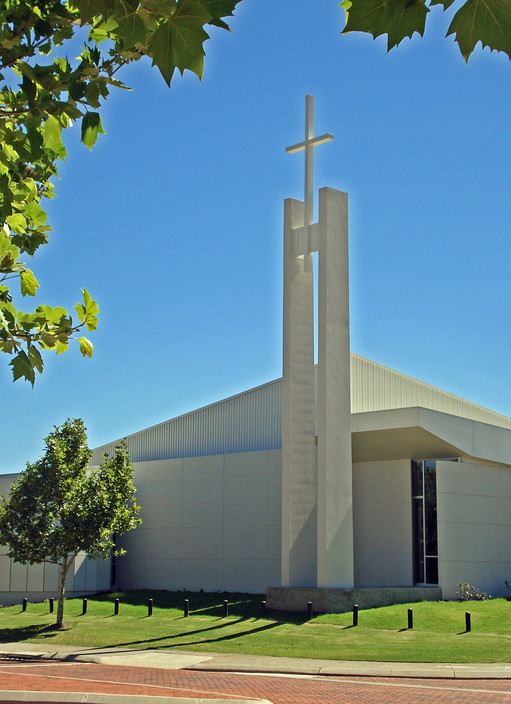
column 275, row 666
column 90, row 698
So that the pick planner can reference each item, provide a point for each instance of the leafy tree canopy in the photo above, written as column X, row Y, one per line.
column 485, row 21
column 58, row 507
column 43, row 92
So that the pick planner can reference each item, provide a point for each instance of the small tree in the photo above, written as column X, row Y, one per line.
column 58, row 507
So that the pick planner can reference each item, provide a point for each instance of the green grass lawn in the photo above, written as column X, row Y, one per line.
column 438, row 634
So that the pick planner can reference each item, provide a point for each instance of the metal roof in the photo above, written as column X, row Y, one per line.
column 251, row 420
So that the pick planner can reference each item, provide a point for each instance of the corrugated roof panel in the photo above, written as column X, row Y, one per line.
column 378, row 388
column 242, row 423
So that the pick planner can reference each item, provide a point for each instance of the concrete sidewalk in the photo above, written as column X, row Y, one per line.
column 227, row 662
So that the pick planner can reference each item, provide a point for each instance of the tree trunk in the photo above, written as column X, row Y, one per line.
column 62, row 591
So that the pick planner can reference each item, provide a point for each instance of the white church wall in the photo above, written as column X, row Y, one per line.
column 474, row 526
column 5, row 570
column 209, row 523
column 382, row 524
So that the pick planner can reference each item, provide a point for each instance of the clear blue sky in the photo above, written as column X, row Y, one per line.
column 174, row 222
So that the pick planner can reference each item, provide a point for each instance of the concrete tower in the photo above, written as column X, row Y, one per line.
column 317, row 520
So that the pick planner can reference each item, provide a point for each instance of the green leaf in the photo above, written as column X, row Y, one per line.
column 88, row 9
column 103, row 29
column 35, row 214
column 88, row 312
column 7, row 346
column 35, row 358
column 85, row 347
column 485, row 21
column 91, row 126
column 131, row 26
column 177, row 43
column 7, row 262
column 54, row 316
column 22, row 367
column 48, row 340
column 4, row 323
column 219, row 9
column 29, row 283
column 61, row 347
column 396, row 18
column 30, row 90
column 52, row 130
column 17, row 222
column 445, row 3
column 80, row 310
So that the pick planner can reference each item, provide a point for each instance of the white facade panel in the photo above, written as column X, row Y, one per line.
column 80, row 571
column 382, row 521
column 18, row 577
column 205, row 574
column 474, row 526
column 51, row 577
column 91, row 574
column 228, row 518
column 35, row 578
column 246, row 513
column 5, row 573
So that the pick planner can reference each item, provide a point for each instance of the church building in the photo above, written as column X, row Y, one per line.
column 342, row 482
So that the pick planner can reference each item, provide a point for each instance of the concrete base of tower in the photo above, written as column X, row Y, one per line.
column 341, row 600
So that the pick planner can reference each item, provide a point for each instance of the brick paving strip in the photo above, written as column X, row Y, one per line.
column 279, row 689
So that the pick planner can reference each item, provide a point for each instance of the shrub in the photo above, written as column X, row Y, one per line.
column 466, row 592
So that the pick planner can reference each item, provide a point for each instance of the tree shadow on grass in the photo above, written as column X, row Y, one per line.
column 200, row 603
column 191, row 633
column 10, row 635
column 203, row 604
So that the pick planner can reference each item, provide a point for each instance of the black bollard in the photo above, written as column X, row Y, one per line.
column 309, row 610
column 226, row 608
column 84, row 609
column 355, row 614
column 468, row 622
column 410, row 618
column 263, row 608
column 150, row 607
column 25, row 602
column 186, row 607
column 51, row 605
column 116, row 607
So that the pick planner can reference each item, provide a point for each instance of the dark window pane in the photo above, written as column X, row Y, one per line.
column 430, row 508
column 416, row 478
column 432, row 570
column 418, row 541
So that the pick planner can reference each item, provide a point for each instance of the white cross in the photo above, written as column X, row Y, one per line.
column 308, row 146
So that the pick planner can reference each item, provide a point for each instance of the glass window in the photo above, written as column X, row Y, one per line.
column 418, row 540
column 416, row 478
column 424, row 518
column 432, row 570
column 430, row 522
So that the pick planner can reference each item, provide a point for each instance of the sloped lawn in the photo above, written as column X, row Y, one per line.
column 438, row 634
